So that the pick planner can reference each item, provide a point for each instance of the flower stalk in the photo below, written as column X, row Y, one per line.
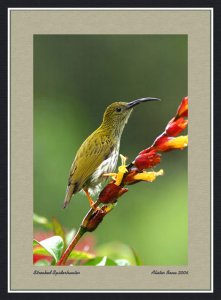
column 133, row 173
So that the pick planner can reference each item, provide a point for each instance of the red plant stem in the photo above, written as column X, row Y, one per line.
column 73, row 243
column 81, row 231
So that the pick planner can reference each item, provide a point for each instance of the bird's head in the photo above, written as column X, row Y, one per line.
column 117, row 114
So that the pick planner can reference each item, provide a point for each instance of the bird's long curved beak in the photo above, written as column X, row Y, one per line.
column 138, row 101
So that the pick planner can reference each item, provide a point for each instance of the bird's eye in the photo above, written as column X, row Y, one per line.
column 118, row 109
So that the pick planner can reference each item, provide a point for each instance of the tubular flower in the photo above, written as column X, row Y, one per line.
column 183, row 108
column 136, row 176
column 179, row 142
column 111, row 193
column 175, row 127
column 148, row 158
column 97, row 217
column 160, row 142
column 167, row 141
column 148, row 176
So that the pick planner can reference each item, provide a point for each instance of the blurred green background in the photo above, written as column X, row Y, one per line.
column 75, row 78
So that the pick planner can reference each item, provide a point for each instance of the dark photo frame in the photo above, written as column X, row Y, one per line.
column 13, row 284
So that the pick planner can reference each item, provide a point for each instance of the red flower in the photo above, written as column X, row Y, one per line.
column 147, row 160
column 111, row 193
column 166, row 143
column 176, row 126
column 160, row 142
column 183, row 108
column 96, row 219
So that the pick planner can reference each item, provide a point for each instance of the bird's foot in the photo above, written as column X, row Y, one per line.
column 93, row 206
column 118, row 177
column 91, row 202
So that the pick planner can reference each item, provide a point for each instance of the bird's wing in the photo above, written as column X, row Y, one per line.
column 91, row 154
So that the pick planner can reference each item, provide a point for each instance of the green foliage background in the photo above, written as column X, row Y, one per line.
column 75, row 78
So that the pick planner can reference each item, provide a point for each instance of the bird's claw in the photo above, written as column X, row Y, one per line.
column 95, row 208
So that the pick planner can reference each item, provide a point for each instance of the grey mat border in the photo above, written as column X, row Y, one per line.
column 145, row 289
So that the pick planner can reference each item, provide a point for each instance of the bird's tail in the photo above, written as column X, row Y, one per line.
column 69, row 193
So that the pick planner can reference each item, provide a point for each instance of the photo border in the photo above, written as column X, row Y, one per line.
column 210, row 125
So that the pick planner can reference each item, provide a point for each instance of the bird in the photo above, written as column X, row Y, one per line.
column 98, row 154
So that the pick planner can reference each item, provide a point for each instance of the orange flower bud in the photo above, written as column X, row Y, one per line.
column 175, row 127
column 183, row 108
column 147, row 160
column 111, row 193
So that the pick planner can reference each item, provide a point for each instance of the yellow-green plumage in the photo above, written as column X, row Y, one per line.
column 99, row 152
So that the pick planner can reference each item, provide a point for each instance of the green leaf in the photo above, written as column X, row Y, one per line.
column 70, row 235
column 35, row 243
column 80, row 255
column 58, row 230
column 100, row 261
column 137, row 259
column 41, row 251
column 41, row 221
column 54, row 246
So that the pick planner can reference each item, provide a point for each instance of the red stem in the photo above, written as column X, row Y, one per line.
column 82, row 229
column 73, row 243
